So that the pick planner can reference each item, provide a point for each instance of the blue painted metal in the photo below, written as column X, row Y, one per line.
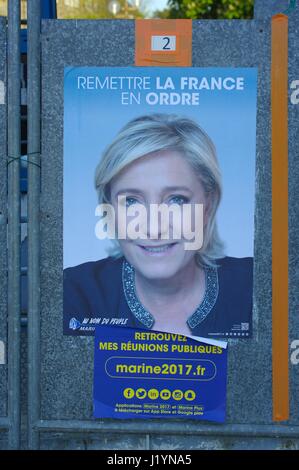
column 48, row 11
column 291, row 7
column 14, row 240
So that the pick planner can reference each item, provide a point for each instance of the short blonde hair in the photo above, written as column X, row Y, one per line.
column 156, row 132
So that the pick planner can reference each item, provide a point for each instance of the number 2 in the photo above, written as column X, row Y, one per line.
column 167, row 42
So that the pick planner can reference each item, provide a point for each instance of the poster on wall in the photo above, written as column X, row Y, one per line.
column 148, row 374
column 159, row 179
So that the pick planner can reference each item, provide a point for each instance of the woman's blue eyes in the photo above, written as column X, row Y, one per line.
column 130, row 201
column 178, row 199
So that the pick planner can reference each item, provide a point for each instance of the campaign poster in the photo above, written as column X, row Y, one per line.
column 148, row 374
column 159, row 180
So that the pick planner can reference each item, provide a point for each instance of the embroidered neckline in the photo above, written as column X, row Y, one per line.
column 147, row 319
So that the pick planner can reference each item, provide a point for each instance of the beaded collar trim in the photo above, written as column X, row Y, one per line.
column 147, row 319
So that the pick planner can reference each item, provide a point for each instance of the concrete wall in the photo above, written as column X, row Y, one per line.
column 67, row 362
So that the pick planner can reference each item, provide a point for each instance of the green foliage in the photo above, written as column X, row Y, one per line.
column 207, row 9
column 96, row 9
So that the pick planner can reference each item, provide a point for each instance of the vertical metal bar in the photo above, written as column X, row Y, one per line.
column 14, row 233
column 34, row 119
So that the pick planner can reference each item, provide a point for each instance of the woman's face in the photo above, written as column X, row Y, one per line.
column 162, row 177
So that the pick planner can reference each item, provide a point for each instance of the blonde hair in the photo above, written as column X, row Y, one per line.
column 156, row 132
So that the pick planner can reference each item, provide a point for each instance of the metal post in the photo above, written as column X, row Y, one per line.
column 14, row 233
column 34, row 118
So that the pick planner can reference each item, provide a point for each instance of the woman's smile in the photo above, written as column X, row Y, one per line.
column 158, row 250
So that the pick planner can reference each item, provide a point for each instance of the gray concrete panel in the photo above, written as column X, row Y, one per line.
column 265, row 9
column 67, row 363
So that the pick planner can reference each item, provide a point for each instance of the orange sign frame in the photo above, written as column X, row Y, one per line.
column 279, row 109
column 181, row 56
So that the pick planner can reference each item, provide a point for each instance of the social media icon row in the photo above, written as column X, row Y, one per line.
column 154, row 394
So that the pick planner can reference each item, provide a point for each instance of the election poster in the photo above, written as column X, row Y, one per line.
column 159, row 179
column 146, row 374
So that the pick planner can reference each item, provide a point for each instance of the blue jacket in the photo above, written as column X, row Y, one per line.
column 101, row 292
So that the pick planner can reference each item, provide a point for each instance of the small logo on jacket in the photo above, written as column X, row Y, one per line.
column 74, row 324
